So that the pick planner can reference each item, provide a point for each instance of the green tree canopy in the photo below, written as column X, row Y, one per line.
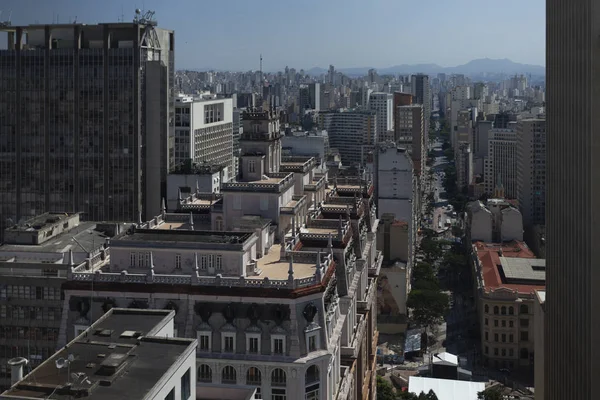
column 428, row 306
column 490, row 394
column 385, row 390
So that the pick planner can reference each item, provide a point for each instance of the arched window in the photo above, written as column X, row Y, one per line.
column 253, row 378
column 204, row 373
column 496, row 310
column 511, row 310
column 523, row 309
column 487, row 309
column 312, row 382
column 278, row 377
column 229, row 375
column 503, row 310
column 219, row 223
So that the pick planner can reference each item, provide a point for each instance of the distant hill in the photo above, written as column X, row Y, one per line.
column 474, row 67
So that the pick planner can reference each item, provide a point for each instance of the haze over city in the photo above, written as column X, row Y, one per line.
column 230, row 34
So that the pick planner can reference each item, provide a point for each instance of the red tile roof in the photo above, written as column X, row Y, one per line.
column 489, row 259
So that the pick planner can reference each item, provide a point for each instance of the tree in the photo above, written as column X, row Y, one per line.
column 492, row 393
column 431, row 249
column 385, row 390
column 423, row 272
column 428, row 306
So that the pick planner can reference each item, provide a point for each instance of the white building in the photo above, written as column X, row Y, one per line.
column 497, row 221
column 531, row 170
column 461, row 93
column 383, row 104
column 352, row 132
column 501, row 162
column 116, row 357
column 203, row 131
column 311, row 144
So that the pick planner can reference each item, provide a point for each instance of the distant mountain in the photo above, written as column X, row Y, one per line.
column 474, row 67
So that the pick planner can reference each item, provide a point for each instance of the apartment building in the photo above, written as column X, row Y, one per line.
column 496, row 221
column 203, row 132
column 410, row 134
column 507, row 278
column 89, row 125
column 531, row 170
column 294, row 319
column 352, row 132
column 463, row 159
column 35, row 260
column 383, row 105
column 501, row 162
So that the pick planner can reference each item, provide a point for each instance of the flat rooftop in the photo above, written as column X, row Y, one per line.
column 523, row 269
column 273, row 267
column 184, row 236
column 116, row 358
column 41, row 221
column 84, row 233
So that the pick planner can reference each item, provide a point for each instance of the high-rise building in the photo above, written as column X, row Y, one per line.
column 310, row 97
column 87, row 113
column 410, row 129
column 204, row 132
column 383, row 104
column 352, row 132
column 501, row 162
column 421, row 92
column 400, row 99
column 572, row 352
column 531, row 170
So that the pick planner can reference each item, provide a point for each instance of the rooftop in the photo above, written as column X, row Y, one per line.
column 118, row 357
column 273, row 266
column 490, row 259
column 523, row 269
column 86, row 234
column 446, row 389
column 184, row 236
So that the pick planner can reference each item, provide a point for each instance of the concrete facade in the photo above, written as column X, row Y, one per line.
column 501, row 162
column 87, row 157
column 531, row 170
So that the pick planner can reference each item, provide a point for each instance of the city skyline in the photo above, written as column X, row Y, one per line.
column 293, row 34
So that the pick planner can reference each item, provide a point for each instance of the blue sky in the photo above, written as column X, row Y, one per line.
column 230, row 34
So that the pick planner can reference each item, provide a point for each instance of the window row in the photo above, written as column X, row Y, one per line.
column 26, row 312
column 523, row 354
column 8, row 292
column 254, row 378
column 205, row 261
column 524, row 337
column 523, row 309
column 523, row 322
column 253, row 343
column 25, row 332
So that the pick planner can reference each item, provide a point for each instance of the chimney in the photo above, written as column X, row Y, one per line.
column 16, row 369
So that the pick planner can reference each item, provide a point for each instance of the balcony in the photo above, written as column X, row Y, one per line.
column 370, row 294
column 346, row 383
column 358, row 334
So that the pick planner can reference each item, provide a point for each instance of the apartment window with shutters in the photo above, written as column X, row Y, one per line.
column 203, row 262
column 132, row 259
column 211, row 259
column 228, row 342
column 218, row 262
column 251, row 166
column 253, row 343
column 140, row 259
column 178, row 261
column 204, row 340
column 278, row 344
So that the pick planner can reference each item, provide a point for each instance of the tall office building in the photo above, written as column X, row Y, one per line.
column 310, row 97
column 572, row 351
column 352, row 132
column 501, row 162
column 410, row 134
column 86, row 117
column 531, row 170
column 421, row 92
column 383, row 104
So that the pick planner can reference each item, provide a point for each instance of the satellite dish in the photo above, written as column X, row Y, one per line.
column 60, row 363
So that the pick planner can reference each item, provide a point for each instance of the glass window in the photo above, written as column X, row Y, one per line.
column 218, row 262
column 524, row 336
column 229, row 375
column 278, row 377
column 204, row 373
column 186, row 390
column 204, row 341
column 171, row 395
column 524, row 322
column 178, row 261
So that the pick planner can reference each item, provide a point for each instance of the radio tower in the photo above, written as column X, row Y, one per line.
column 261, row 74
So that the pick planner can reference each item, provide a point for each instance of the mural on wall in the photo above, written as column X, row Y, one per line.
column 386, row 303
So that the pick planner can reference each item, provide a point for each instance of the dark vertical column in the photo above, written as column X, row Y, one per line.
column 105, row 115
column 137, row 156
column 76, row 118
column 19, row 116
column 48, row 42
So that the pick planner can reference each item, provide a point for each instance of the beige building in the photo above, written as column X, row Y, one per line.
column 498, row 220
column 507, row 277
column 410, row 133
